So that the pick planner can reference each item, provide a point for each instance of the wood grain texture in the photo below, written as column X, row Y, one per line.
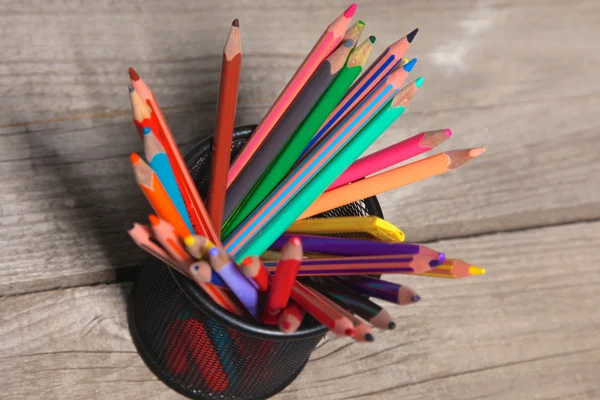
column 518, row 77
column 528, row 329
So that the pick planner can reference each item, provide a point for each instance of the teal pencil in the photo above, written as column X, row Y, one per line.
column 159, row 162
column 340, row 162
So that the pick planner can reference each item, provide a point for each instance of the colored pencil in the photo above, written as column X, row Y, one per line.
column 283, row 280
column 324, row 46
column 390, row 264
column 362, row 331
column 157, row 195
column 286, row 126
column 142, row 114
column 196, row 246
column 286, row 158
column 369, row 227
column 159, row 162
column 391, row 155
column 224, row 124
column 141, row 235
column 254, row 270
column 242, row 242
column 355, row 303
column 454, row 269
column 336, row 322
column 342, row 156
column 357, row 247
column 291, row 318
column 381, row 289
column 386, row 62
column 194, row 205
column 393, row 179
column 201, row 272
column 234, row 279
column 168, row 239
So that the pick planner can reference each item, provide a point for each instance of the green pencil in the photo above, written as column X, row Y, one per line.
column 291, row 151
column 384, row 118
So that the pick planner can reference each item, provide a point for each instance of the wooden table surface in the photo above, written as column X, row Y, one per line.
column 517, row 76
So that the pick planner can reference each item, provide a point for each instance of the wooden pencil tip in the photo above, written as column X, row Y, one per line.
column 473, row 270
column 372, row 39
column 236, row 23
column 133, row 74
column 154, row 220
column 189, row 241
column 411, row 36
column 477, row 151
column 350, row 11
column 134, row 157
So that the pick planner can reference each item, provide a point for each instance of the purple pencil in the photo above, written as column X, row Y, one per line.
column 357, row 247
column 233, row 278
column 380, row 289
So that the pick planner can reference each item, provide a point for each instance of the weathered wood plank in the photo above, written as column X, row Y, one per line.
column 528, row 329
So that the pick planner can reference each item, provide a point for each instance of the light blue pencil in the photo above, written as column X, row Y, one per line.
column 159, row 162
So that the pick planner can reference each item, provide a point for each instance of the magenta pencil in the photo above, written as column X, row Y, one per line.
column 392, row 155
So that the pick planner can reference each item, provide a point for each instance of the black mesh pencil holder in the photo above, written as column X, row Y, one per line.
column 198, row 348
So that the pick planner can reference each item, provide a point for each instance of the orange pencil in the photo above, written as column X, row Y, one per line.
column 324, row 46
column 193, row 203
column 157, row 195
column 226, row 105
column 395, row 178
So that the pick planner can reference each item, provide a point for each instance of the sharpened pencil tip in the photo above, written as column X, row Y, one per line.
column 473, row 270
column 419, row 82
column 372, row 39
column 448, row 132
column 236, row 23
column 133, row 74
column 369, row 337
column 392, row 325
column 134, row 157
column 411, row 36
column 154, row 220
column 410, row 65
column 350, row 11
column 476, row 151
column 189, row 241
column 416, row 298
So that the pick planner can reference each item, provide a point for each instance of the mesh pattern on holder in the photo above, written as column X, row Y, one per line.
column 194, row 350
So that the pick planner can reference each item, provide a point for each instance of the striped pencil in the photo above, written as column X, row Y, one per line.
column 362, row 331
column 286, row 127
column 159, row 162
column 393, row 179
column 284, row 161
column 353, row 302
column 291, row 318
column 254, row 270
column 194, row 205
column 390, row 264
column 234, row 279
column 224, row 123
column 237, row 244
column 283, row 280
column 336, row 322
column 357, row 247
column 324, row 46
column 381, row 289
column 156, row 195
column 386, row 62
column 391, row 155
column 454, row 269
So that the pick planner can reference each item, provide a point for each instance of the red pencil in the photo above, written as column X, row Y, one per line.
column 254, row 270
column 291, row 318
column 283, row 280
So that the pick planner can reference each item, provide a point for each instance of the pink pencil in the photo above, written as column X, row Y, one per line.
column 391, row 155
column 327, row 42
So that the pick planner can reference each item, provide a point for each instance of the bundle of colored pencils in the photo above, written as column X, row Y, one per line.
column 253, row 250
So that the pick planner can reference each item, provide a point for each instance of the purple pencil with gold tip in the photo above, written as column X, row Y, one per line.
column 357, row 247
column 235, row 280
column 381, row 289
